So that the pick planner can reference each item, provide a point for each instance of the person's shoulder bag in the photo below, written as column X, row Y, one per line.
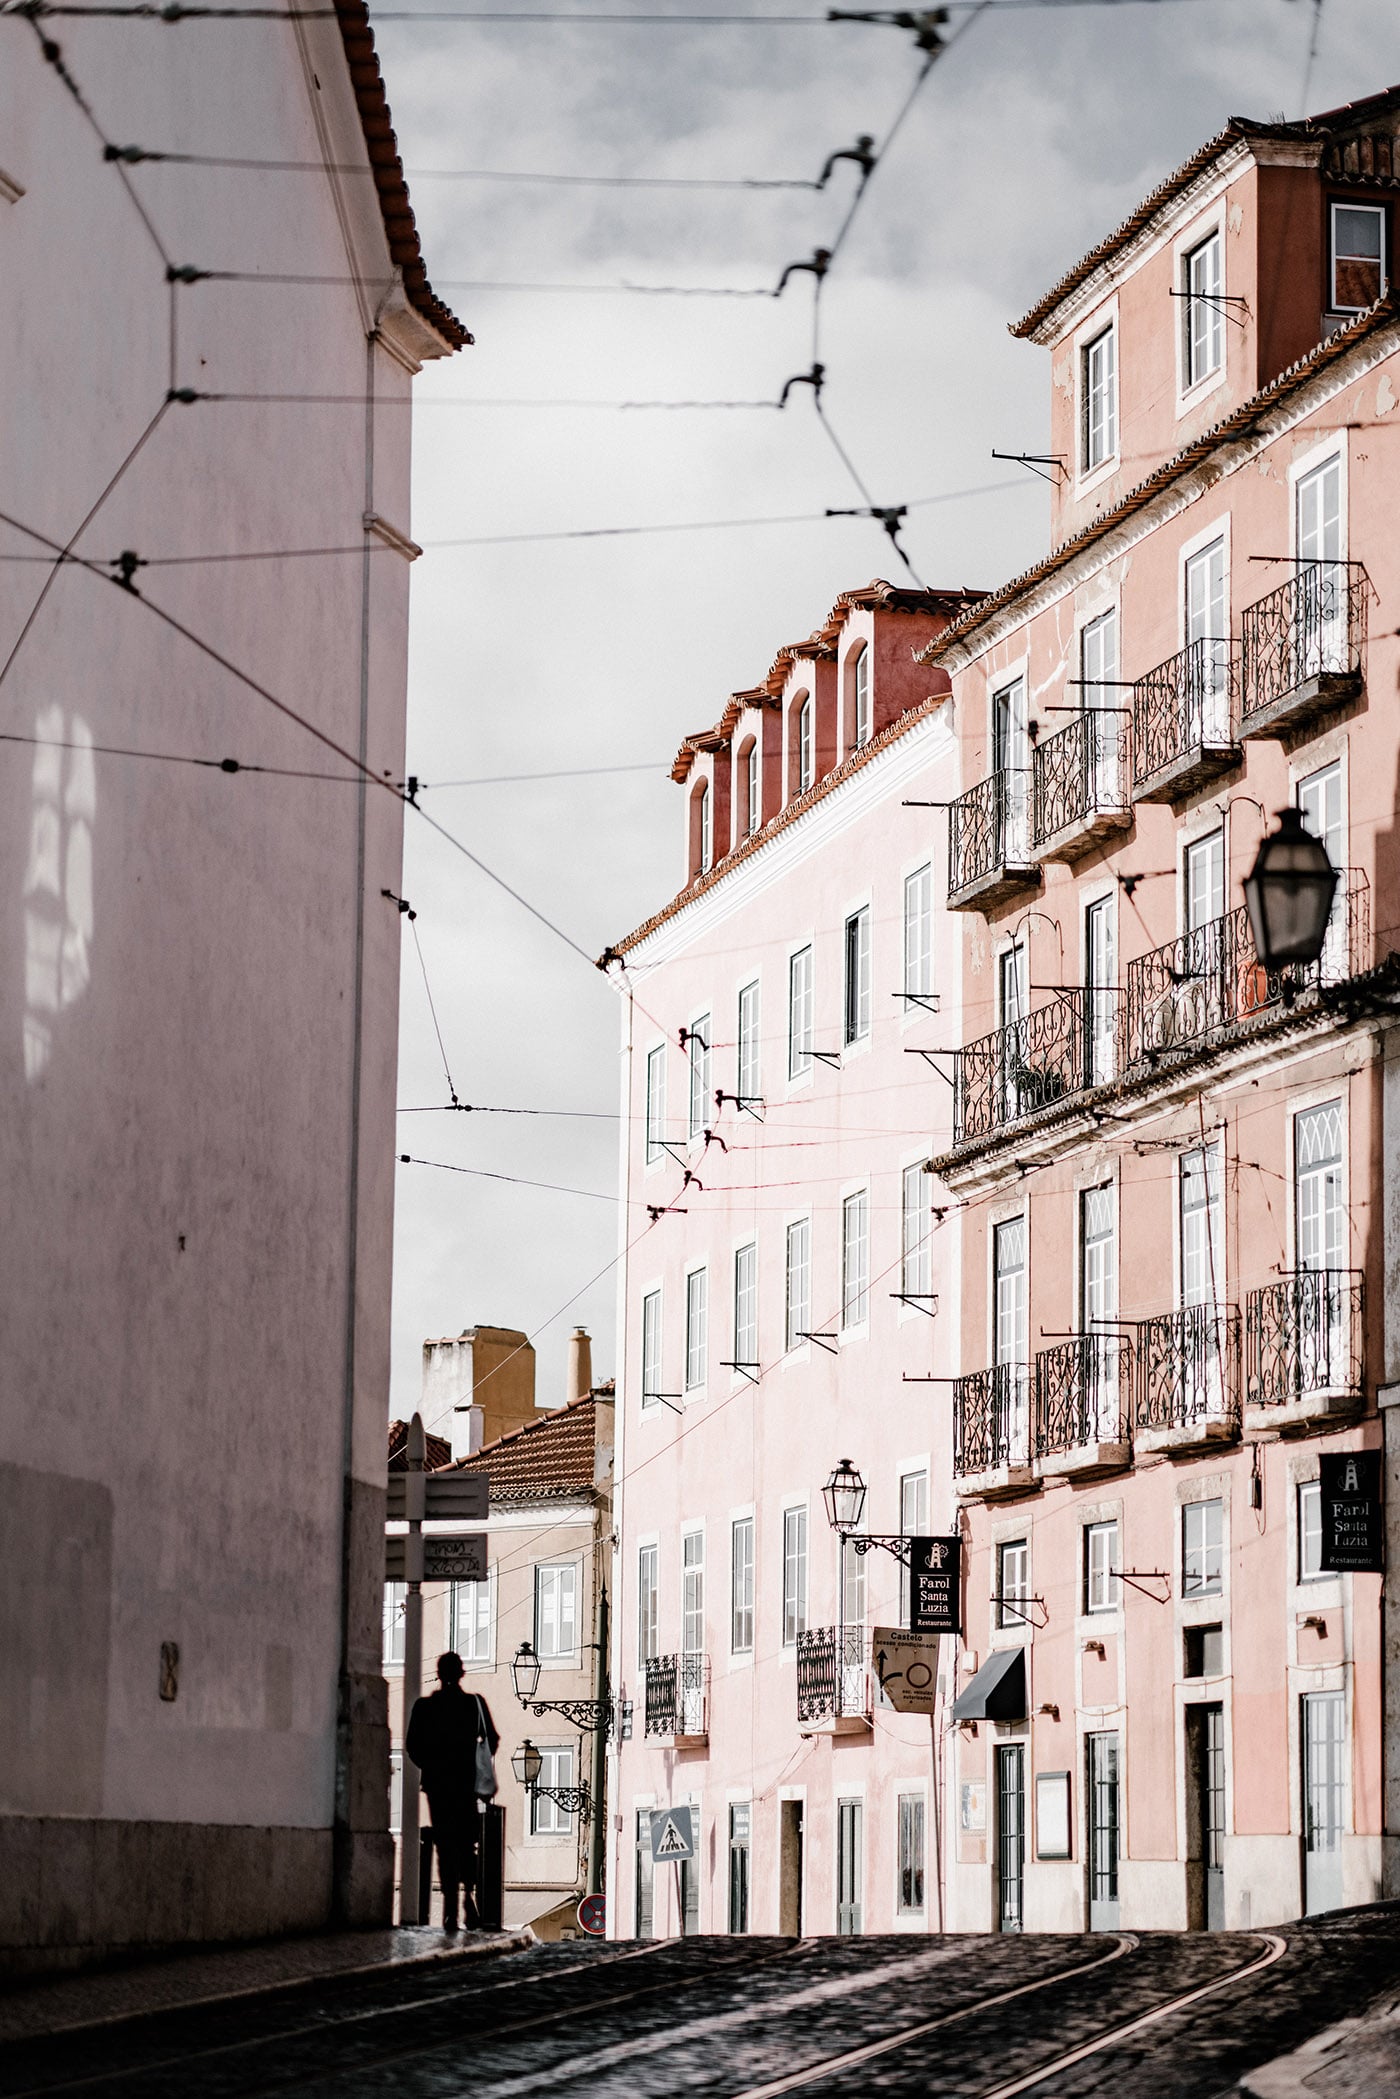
column 485, row 1765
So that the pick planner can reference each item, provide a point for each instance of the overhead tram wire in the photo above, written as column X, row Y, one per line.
column 140, row 156
column 176, row 12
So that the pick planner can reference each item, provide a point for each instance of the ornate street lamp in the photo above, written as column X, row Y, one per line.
column 844, row 1495
column 1288, row 893
column 525, row 1672
column 588, row 1714
column 525, row 1763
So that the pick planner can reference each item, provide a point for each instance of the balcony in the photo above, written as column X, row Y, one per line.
column 1188, row 1363
column 1183, row 723
column 1303, row 648
column 678, row 1699
column 1187, row 995
column 989, row 842
column 992, row 1432
column 1081, row 1407
column 1082, row 784
column 1303, row 1338
column 1018, row 1070
column 833, row 1695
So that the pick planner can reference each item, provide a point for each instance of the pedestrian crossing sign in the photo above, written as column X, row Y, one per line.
column 672, row 1834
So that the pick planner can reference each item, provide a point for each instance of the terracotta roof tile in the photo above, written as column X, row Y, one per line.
column 438, row 1453
column 546, row 1459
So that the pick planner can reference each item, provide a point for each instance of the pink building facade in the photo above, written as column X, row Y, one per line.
column 1171, row 1166
column 782, row 1265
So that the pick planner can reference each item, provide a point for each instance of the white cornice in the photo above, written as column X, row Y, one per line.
column 926, row 744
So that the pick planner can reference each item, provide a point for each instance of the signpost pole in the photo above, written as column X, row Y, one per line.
column 935, row 1745
column 414, row 1505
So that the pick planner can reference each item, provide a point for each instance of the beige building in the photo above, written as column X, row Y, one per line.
column 550, row 1473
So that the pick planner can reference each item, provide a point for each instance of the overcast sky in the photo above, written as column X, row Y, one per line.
column 1029, row 142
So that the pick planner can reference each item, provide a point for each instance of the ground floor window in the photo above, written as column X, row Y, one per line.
column 911, row 1853
column 642, row 1913
column 740, row 1818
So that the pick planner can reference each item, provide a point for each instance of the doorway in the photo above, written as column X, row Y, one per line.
column 1205, row 1776
column 1324, row 1751
column 1104, row 1825
column 848, row 1868
column 1011, row 1836
column 790, row 1868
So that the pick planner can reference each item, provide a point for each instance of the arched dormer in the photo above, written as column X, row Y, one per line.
column 702, row 828
column 801, row 743
column 748, row 789
column 857, row 713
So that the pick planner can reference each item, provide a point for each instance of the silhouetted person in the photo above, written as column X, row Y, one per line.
column 444, row 1732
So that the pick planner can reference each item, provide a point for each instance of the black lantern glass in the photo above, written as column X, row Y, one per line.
column 844, row 1495
column 525, row 1762
column 1288, row 893
column 525, row 1671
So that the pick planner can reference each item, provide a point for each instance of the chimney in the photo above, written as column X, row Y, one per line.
column 580, row 1364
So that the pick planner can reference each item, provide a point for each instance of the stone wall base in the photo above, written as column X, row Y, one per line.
column 75, row 1891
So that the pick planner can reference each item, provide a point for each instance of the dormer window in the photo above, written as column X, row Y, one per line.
column 1098, row 393
column 802, row 744
column 1202, row 312
column 858, row 674
column 702, row 829
column 748, row 781
column 1358, row 256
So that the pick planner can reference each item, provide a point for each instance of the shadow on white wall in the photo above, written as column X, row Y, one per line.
column 58, row 880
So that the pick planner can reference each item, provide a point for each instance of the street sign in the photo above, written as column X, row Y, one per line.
column 1353, row 1525
column 593, row 1914
column 907, row 1666
column 935, row 1585
column 463, row 1495
column 672, row 1834
column 454, row 1556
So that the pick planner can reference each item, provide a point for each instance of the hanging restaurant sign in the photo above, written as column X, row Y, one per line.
column 935, row 1585
column 1353, row 1523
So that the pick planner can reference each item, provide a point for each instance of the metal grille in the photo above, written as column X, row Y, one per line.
column 989, row 829
column 1185, row 705
column 991, row 1419
column 1188, row 1367
column 1081, row 1391
column 825, row 1690
column 1080, row 771
column 1017, row 1070
column 1312, row 626
column 677, row 1697
column 1304, row 1335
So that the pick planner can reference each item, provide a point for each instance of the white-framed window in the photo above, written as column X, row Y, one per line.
column 746, row 1306
column 1202, row 1548
column 1321, row 638
column 697, row 1325
column 706, row 823
column 913, row 1523
column 651, row 1347
column 1013, row 1583
column 806, row 745
column 794, row 1575
column 1358, row 272
column 1100, row 989
column 749, row 1081
column 797, row 1319
column 857, row 976
column 1203, row 881
column 1203, row 312
column 1309, row 1530
column 693, row 1592
column 556, row 1611
column 1201, row 1197
column 698, row 1051
column 918, row 935
column 1206, row 618
column 1319, row 1209
column 916, row 1233
column 469, row 1621
column 753, row 814
column 853, row 1591
column 395, row 1600
column 547, row 1818
column 860, row 697
column 911, row 1854
column 1098, row 400
column 656, row 1102
column 647, row 1578
column 741, row 1585
column 800, row 1013
column 1102, row 1566
column 855, row 1259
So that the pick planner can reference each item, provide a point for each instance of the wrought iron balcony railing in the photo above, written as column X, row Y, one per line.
column 1017, row 1070
column 677, row 1694
column 1184, row 721
column 1303, row 1336
column 1187, row 1367
column 992, row 1420
column 1183, row 994
column 1082, row 782
column 833, row 1673
column 989, row 839
column 1302, row 648
column 1081, row 1395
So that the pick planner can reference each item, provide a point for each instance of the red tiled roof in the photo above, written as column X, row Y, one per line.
column 383, row 150
column 437, row 1454
column 1362, row 159
column 1239, row 423
column 546, row 1459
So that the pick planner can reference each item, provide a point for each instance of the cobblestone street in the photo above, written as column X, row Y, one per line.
column 1154, row 2016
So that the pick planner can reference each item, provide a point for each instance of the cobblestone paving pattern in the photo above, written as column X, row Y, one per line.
column 719, row 2018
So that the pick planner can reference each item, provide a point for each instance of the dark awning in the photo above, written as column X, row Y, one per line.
column 998, row 1691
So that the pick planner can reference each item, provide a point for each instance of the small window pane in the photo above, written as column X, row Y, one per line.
column 798, row 1322
column 1013, row 1583
column 1309, row 1531
column 1202, row 1537
column 741, row 1586
column 800, row 1013
column 855, row 1260
column 696, row 1328
column 698, row 1047
column 656, row 1102
column 647, row 1648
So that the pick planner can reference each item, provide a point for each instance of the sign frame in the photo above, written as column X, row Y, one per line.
column 911, row 1686
column 590, row 1907
column 1351, row 1487
column 935, row 1585
column 681, row 1819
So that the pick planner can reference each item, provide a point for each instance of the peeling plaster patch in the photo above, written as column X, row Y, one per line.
column 1265, row 465
column 977, row 954
column 1235, row 218
column 1385, row 395
column 1063, row 378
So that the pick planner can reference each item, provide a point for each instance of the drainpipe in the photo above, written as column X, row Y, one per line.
column 597, row 1832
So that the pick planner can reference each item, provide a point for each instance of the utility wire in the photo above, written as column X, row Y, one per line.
column 432, row 1008
column 176, row 11
column 476, row 1108
column 222, row 765
column 133, row 156
column 597, row 1195
column 485, row 284
column 188, row 395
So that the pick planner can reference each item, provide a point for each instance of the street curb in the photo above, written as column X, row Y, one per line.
column 499, row 1943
